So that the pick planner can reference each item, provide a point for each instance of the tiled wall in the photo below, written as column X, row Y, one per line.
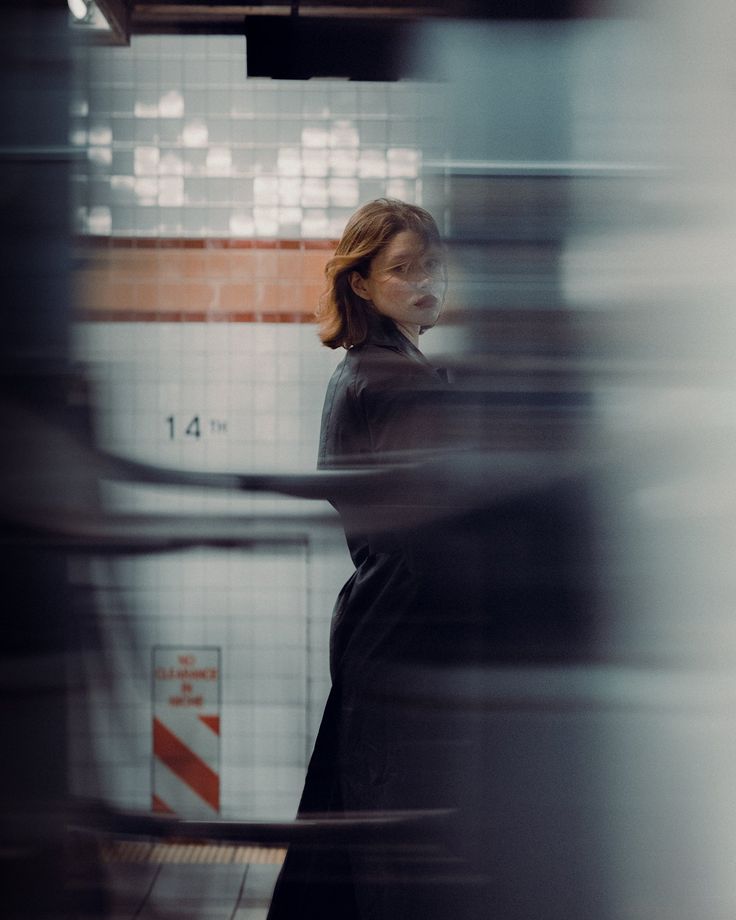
column 255, row 390
column 180, row 144
column 220, row 396
column 205, row 206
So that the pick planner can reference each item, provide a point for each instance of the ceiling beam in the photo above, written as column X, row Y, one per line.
column 117, row 14
column 223, row 12
column 227, row 16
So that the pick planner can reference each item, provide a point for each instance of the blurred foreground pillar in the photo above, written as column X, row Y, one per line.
column 588, row 191
column 34, row 293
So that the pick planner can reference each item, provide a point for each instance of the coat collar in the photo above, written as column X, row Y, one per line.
column 384, row 333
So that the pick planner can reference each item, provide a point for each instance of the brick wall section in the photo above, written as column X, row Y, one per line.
column 200, row 280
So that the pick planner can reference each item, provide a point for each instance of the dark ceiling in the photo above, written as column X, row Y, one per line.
column 141, row 17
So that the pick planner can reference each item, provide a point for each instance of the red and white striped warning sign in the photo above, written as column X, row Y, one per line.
column 186, row 731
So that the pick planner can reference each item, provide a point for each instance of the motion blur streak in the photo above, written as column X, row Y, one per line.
column 591, row 218
column 40, row 873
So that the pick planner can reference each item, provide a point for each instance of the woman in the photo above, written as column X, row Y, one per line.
column 386, row 286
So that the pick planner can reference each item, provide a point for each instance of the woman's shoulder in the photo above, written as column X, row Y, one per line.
column 372, row 363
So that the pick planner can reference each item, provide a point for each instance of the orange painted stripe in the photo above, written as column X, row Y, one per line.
column 191, row 316
column 182, row 761
column 160, row 242
column 202, row 280
column 212, row 722
column 160, row 807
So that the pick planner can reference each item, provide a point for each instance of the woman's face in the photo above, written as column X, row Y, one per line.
column 406, row 281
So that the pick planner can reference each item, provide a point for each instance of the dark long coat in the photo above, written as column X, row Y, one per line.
column 437, row 604
column 382, row 401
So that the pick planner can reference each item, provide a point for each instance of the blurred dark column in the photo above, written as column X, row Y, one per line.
column 499, row 177
column 34, row 291
column 517, row 579
column 585, row 179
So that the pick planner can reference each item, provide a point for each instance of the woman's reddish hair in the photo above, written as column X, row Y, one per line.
column 343, row 316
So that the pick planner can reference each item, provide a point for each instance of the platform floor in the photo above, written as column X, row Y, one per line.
column 189, row 882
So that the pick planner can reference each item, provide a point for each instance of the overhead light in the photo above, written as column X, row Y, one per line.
column 80, row 9
column 87, row 18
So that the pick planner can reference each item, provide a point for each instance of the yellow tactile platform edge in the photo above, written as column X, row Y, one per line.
column 139, row 851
